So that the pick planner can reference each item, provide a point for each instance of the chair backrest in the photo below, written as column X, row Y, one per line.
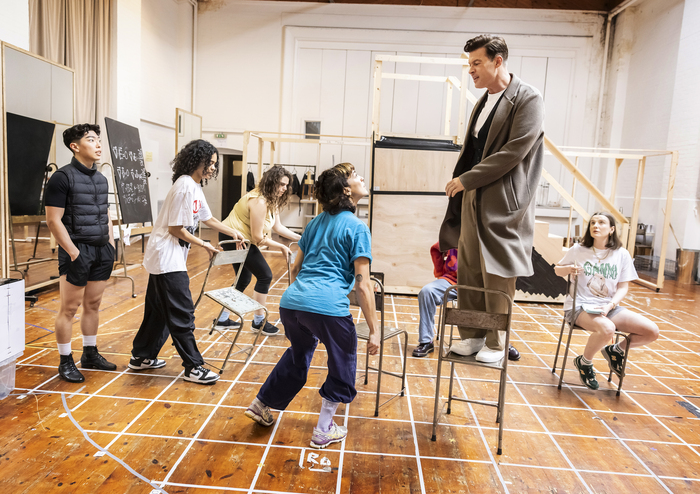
column 378, row 279
column 231, row 256
column 477, row 319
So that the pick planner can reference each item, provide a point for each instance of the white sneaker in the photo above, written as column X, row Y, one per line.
column 200, row 375
column 489, row 356
column 468, row 347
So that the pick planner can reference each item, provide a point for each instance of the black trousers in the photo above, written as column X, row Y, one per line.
column 255, row 264
column 169, row 310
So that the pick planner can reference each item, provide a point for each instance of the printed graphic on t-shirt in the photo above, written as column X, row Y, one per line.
column 191, row 230
column 598, row 274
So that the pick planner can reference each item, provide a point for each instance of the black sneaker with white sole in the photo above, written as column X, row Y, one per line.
column 586, row 373
column 200, row 375
column 267, row 330
column 145, row 363
column 615, row 359
column 227, row 324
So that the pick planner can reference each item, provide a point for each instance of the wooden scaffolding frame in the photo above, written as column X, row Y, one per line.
column 627, row 227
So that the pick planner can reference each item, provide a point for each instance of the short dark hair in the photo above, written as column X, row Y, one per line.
column 495, row 45
column 269, row 184
column 330, row 189
column 191, row 157
column 613, row 240
column 77, row 132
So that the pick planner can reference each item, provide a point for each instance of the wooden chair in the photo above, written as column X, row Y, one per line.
column 475, row 319
column 233, row 300
column 572, row 327
column 385, row 334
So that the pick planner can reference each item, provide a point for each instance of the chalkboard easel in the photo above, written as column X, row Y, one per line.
column 130, row 179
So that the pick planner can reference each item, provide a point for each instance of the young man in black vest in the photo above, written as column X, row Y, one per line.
column 77, row 213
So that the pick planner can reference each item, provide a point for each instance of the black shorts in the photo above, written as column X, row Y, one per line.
column 93, row 264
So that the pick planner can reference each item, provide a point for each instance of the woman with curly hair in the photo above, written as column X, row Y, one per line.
column 169, row 307
column 256, row 215
column 334, row 254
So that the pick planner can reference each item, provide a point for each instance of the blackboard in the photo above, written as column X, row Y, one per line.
column 129, row 172
column 28, row 147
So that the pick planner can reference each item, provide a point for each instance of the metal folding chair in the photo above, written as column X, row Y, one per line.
column 233, row 300
column 475, row 319
column 572, row 327
column 362, row 330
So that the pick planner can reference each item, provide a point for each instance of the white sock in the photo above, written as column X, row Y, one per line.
column 64, row 348
column 90, row 340
column 257, row 319
column 585, row 361
column 224, row 316
column 325, row 419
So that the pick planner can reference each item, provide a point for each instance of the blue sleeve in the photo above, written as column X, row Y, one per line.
column 361, row 245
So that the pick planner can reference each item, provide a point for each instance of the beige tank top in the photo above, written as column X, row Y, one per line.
column 239, row 219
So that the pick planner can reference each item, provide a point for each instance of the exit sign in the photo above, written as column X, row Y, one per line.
column 220, row 135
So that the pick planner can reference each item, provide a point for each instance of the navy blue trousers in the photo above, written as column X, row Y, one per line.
column 304, row 330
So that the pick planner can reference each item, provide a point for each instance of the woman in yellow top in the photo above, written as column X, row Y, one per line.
column 256, row 215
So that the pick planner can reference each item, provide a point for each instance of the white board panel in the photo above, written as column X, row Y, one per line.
column 430, row 116
column 403, row 118
column 61, row 95
column 534, row 72
column 27, row 85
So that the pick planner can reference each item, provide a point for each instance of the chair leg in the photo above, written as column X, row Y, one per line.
column 367, row 365
column 501, row 411
column 449, row 393
column 379, row 377
column 624, row 363
column 405, row 360
column 556, row 355
column 437, row 394
column 566, row 354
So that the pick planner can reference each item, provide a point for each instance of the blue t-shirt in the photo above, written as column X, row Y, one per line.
column 331, row 244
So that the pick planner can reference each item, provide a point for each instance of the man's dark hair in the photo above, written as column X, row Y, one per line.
column 77, row 132
column 191, row 157
column 613, row 242
column 495, row 45
column 330, row 189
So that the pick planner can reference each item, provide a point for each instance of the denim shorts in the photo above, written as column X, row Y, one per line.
column 611, row 314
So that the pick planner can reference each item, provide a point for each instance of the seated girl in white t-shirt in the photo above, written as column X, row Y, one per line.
column 604, row 270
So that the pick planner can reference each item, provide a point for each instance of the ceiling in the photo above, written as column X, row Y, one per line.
column 590, row 5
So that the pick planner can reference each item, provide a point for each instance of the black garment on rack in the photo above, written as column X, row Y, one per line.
column 250, row 184
column 296, row 186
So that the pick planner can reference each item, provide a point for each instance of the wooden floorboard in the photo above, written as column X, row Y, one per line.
column 183, row 437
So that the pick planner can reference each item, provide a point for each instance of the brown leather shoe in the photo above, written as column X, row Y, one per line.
column 513, row 353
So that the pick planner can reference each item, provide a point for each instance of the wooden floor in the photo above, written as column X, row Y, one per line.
column 184, row 437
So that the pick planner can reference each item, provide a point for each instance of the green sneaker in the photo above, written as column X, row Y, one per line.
column 586, row 373
column 615, row 359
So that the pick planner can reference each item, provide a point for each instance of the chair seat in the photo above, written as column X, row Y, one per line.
column 234, row 300
column 471, row 360
column 362, row 330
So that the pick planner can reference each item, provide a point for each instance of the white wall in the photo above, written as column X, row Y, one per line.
column 165, row 84
column 14, row 22
column 652, row 103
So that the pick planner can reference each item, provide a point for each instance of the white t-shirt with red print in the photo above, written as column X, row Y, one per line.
column 184, row 205
column 597, row 282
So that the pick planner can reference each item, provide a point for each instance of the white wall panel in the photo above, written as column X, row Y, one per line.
column 405, row 108
column 430, row 113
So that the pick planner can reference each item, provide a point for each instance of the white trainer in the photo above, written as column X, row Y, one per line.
column 468, row 347
column 489, row 356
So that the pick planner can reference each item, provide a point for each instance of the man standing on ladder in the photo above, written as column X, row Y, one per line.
column 77, row 213
column 491, row 212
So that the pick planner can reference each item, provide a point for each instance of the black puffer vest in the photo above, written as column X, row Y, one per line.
column 86, row 216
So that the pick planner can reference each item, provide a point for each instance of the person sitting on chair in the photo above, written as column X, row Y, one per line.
column 604, row 271
column 334, row 254
column 431, row 295
column 256, row 215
